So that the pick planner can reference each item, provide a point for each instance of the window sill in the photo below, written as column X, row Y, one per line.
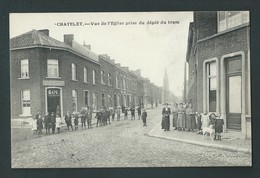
column 74, row 80
column 86, row 82
column 53, row 77
column 24, row 78
column 94, row 84
column 21, row 115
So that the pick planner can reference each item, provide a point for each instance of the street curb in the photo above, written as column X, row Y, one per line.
column 223, row 147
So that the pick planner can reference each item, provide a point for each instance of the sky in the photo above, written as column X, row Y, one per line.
column 150, row 47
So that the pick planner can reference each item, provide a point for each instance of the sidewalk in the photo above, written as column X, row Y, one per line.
column 231, row 141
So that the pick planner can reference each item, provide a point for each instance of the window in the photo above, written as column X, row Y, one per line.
column 85, row 75
column 86, row 98
column 26, row 102
column 109, row 79
column 212, row 86
column 103, row 99
column 74, row 101
column 230, row 19
column 53, row 68
column 109, row 99
column 94, row 77
column 117, row 82
column 24, row 68
column 73, row 71
column 123, row 84
column 94, row 104
column 102, row 77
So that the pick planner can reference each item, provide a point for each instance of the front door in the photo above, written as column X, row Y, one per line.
column 233, row 94
column 53, row 100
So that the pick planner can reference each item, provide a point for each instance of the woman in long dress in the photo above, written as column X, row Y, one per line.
column 175, row 116
column 181, row 117
column 190, row 118
column 166, row 118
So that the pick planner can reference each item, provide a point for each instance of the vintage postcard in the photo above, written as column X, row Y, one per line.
column 130, row 89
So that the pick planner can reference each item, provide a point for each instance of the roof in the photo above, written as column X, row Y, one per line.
column 36, row 38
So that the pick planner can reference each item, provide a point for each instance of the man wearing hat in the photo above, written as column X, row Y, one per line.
column 166, row 112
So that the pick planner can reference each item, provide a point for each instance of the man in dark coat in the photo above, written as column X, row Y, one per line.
column 99, row 118
column 144, row 116
column 46, row 123
column 53, row 122
column 166, row 112
column 68, row 120
column 132, row 113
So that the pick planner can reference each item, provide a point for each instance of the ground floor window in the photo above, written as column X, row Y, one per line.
column 103, row 99
column 26, row 102
column 94, row 104
column 86, row 98
column 109, row 99
column 74, row 101
column 212, row 86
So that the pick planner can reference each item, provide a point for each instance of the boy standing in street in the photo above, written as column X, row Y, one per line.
column 144, row 116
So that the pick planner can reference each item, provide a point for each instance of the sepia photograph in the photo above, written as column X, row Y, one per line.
column 130, row 89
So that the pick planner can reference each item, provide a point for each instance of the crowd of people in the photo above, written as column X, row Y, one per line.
column 53, row 121
column 185, row 119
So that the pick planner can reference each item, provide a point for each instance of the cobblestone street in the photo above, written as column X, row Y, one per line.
column 122, row 144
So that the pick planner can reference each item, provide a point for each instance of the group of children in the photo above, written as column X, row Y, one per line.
column 50, row 122
column 53, row 121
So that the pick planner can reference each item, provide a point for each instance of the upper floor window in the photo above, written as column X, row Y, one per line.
column 94, row 77
column 230, row 19
column 109, row 79
column 102, row 77
column 24, row 68
column 85, row 75
column 73, row 71
column 53, row 67
column 117, row 82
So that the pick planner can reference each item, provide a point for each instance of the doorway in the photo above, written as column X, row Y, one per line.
column 234, row 92
column 54, row 100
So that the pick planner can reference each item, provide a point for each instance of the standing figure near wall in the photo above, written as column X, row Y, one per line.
column 174, row 116
column 190, row 118
column 166, row 112
column 181, row 117
column 118, row 111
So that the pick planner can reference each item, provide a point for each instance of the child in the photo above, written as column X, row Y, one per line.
column 58, row 122
column 76, row 121
column 218, row 127
column 39, row 124
column 144, row 116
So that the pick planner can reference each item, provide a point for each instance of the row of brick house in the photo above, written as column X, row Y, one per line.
column 218, row 57
column 54, row 76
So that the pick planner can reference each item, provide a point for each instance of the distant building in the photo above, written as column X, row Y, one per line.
column 54, row 76
column 218, row 55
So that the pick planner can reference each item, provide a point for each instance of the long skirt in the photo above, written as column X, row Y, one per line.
column 190, row 121
column 181, row 120
column 166, row 123
column 174, row 119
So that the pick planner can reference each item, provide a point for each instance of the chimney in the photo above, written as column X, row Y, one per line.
column 44, row 31
column 68, row 39
column 87, row 46
column 113, row 61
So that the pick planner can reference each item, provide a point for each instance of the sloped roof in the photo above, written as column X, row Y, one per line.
column 36, row 38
